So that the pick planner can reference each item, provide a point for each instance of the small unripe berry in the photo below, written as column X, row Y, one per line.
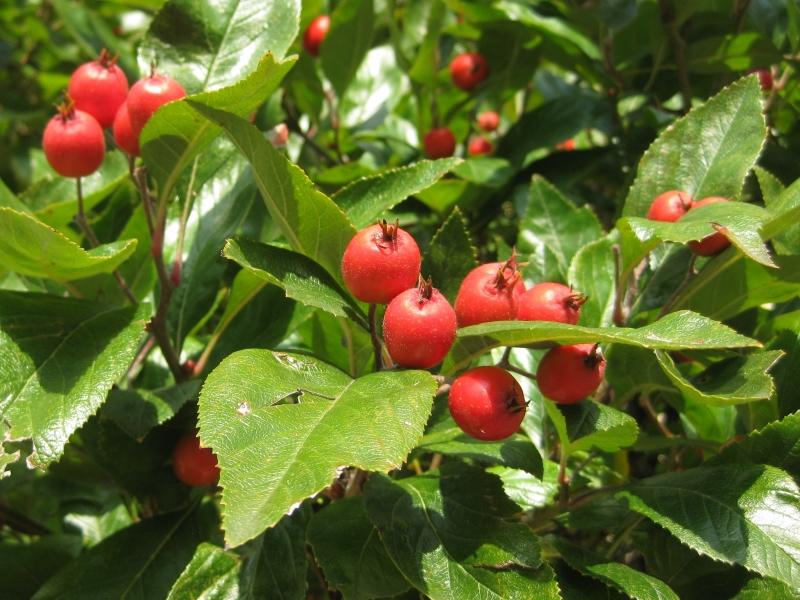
column 419, row 327
column 488, row 120
column 192, row 464
column 148, row 95
column 479, row 146
column 439, row 143
column 380, row 262
column 487, row 403
column 568, row 374
column 73, row 142
column 99, row 88
column 489, row 292
column 550, row 301
column 315, row 34
column 669, row 206
column 123, row 132
column 468, row 70
column 714, row 243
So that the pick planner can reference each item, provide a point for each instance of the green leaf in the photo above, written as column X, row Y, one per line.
column 310, row 221
column 527, row 490
column 709, row 152
column 379, row 85
column 552, row 231
column 30, row 247
column 592, row 272
column 785, row 371
column 646, row 377
column 208, row 44
column 777, row 444
column 141, row 561
column 771, row 186
column 444, row 436
column 675, row 331
column 300, row 277
column 276, row 563
column 367, row 200
column 27, row 566
column 349, row 550
column 758, row 588
column 732, row 381
column 574, row 586
column 347, row 42
column 138, row 411
column 272, row 456
column 485, row 170
column 743, row 514
column 212, row 574
column 59, row 359
column 451, row 255
column 449, row 534
column 9, row 200
column 176, row 133
column 590, row 424
column 633, row 583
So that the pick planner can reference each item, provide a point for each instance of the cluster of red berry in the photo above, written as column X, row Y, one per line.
column 673, row 205
column 98, row 97
column 381, row 266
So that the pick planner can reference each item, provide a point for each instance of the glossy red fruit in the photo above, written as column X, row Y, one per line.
column 567, row 145
column 764, row 78
column 487, row 403
column 489, row 292
column 550, row 301
column 439, row 143
column 488, row 120
column 714, row 243
column 73, row 142
column 380, row 262
column 419, row 327
column 148, row 95
column 670, row 206
column 479, row 146
column 568, row 374
column 192, row 464
column 315, row 33
column 99, row 88
column 123, row 132
column 468, row 70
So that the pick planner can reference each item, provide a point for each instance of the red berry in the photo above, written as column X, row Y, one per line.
column 487, row 403
column 99, row 88
column 188, row 367
column 550, row 301
column 568, row 145
column 148, row 95
column 419, row 327
column 280, row 135
column 316, row 32
column 439, row 143
column 192, row 464
column 73, row 142
column 489, row 292
column 669, row 206
column 468, row 70
column 380, row 262
column 714, row 243
column 488, row 120
column 479, row 146
column 123, row 132
column 764, row 78
column 568, row 374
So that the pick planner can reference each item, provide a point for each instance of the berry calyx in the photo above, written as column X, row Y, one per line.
column 73, row 142
column 669, row 206
column 380, row 262
column 568, row 374
column 148, row 95
column 123, row 132
column 487, row 403
column 488, row 120
column 479, row 146
column 550, row 301
column 714, row 243
column 439, row 143
column 315, row 33
column 490, row 292
column 99, row 88
column 192, row 464
column 419, row 327
column 468, row 70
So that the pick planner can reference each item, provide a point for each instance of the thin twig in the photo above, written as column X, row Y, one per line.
column 619, row 288
column 563, row 479
column 647, row 405
column 690, row 273
column 373, row 335
column 678, row 51
column 623, row 537
column 523, row 372
column 188, row 203
column 355, row 482
column 141, row 356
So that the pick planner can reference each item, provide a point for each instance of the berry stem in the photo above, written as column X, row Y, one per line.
column 563, row 479
column 88, row 232
column 373, row 334
column 690, row 273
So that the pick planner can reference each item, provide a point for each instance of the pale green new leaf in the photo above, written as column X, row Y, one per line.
column 347, row 42
column 592, row 273
column 212, row 574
